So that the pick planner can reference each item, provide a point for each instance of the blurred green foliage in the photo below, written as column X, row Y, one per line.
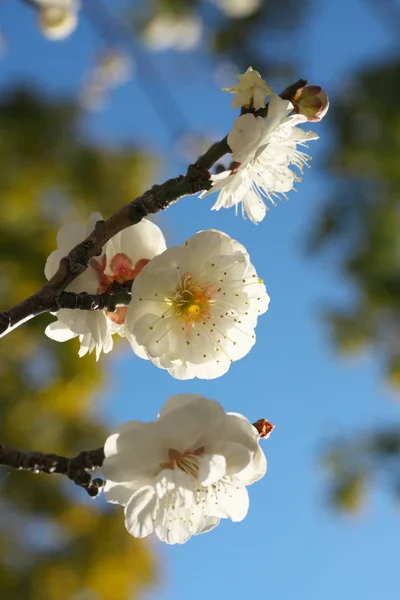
column 361, row 221
column 354, row 463
column 55, row 543
column 363, row 216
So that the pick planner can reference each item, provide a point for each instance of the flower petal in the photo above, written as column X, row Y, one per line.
column 143, row 240
column 69, row 236
column 237, row 456
column 228, row 499
column 175, row 531
column 118, row 493
column 132, row 452
column 59, row 332
column 191, row 426
column 212, row 468
column 52, row 263
column 139, row 512
column 177, row 401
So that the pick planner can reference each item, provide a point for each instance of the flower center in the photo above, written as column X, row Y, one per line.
column 121, row 270
column 190, row 301
column 188, row 462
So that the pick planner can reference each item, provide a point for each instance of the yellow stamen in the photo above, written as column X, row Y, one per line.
column 191, row 301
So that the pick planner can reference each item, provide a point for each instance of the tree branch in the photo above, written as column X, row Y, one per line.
column 159, row 197
column 75, row 468
column 85, row 301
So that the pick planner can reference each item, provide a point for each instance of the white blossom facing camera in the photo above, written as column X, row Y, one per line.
column 122, row 258
column 250, row 91
column 179, row 475
column 263, row 150
column 57, row 19
column 194, row 308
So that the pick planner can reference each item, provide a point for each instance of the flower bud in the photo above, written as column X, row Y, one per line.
column 264, row 428
column 312, row 102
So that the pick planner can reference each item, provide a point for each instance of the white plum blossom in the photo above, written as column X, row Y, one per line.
column 238, row 9
column 122, row 258
column 167, row 31
column 179, row 475
column 57, row 19
column 250, row 91
column 112, row 69
column 263, row 150
column 194, row 308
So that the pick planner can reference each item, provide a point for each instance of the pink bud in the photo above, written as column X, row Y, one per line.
column 312, row 102
column 121, row 266
column 139, row 266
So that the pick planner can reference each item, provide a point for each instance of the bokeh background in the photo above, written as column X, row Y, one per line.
column 89, row 122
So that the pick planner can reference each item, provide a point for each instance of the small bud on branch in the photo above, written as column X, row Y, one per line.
column 312, row 102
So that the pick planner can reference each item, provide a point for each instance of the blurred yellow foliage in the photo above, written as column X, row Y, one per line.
column 55, row 544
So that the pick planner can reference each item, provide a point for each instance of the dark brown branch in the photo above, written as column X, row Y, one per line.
column 71, row 266
column 75, row 468
column 159, row 197
column 85, row 301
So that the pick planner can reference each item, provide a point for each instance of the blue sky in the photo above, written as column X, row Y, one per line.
column 291, row 546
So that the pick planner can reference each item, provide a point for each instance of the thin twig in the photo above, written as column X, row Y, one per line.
column 75, row 468
column 159, row 197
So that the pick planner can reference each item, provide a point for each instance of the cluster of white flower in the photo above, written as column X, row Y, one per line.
column 263, row 150
column 193, row 310
column 121, row 260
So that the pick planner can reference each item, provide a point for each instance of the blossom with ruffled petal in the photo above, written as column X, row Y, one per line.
column 179, row 475
column 263, row 150
column 122, row 258
column 250, row 91
column 194, row 308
